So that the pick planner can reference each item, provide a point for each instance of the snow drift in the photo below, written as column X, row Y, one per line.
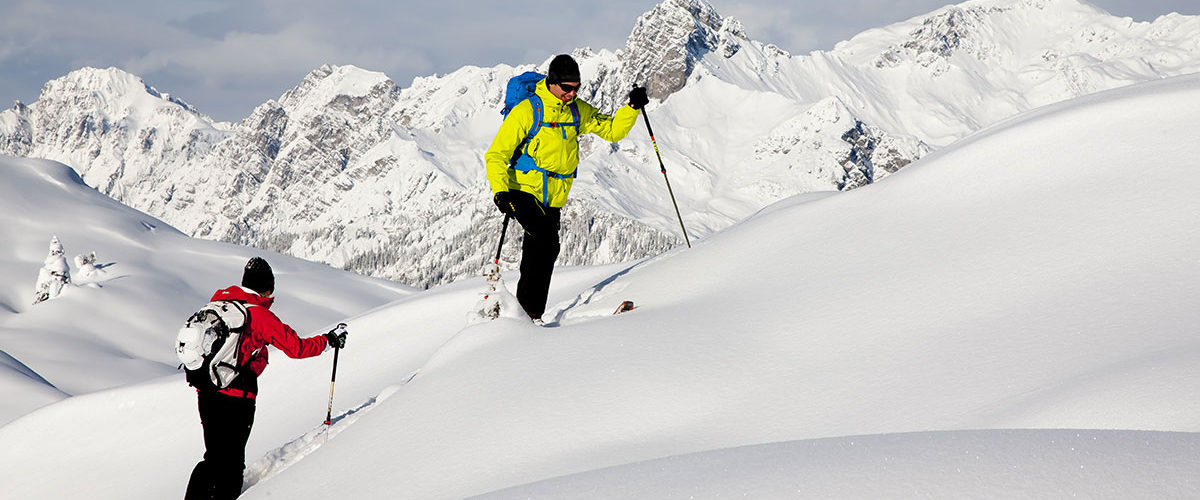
column 1036, row 275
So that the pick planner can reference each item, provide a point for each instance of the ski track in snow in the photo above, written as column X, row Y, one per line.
column 459, row 342
column 604, row 289
column 294, row 451
column 279, row 459
column 291, row 453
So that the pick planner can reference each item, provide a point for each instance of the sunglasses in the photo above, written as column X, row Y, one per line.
column 567, row 89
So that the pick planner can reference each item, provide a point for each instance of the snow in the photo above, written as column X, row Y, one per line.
column 740, row 125
column 1011, row 316
column 109, row 329
column 966, row 464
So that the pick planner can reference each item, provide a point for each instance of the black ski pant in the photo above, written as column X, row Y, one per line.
column 538, row 252
column 226, row 421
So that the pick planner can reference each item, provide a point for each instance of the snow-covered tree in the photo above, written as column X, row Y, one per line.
column 86, row 264
column 54, row 275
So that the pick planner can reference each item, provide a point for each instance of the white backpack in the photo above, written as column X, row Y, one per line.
column 207, row 344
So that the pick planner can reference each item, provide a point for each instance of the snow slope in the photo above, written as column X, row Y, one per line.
column 958, row 464
column 114, row 328
column 907, row 339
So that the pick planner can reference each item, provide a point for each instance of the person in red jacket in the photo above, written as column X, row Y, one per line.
column 227, row 414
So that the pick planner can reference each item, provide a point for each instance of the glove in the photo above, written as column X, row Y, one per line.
column 504, row 201
column 637, row 98
column 336, row 340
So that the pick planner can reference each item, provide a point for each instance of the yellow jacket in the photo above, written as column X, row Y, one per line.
column 554, row 149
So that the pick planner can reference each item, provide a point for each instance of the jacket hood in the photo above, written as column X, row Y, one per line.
column 243, row 295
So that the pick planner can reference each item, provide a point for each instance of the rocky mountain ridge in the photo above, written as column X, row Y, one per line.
column 351, row 169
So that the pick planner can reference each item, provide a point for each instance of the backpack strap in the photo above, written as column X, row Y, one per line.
column 246, row 328
column 539, row 114
column 522, row 161
column 242, row 307
column 575, row 123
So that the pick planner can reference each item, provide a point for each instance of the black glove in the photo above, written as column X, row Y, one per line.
column 506, row 204
column 336, row 340
column 637, row 98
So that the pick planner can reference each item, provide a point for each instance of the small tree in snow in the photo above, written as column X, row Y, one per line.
column 55, row 274
column 86, row 264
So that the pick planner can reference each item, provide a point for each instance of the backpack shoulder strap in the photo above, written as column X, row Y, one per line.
column 226, row 309
column 245, row 329
column 575, row 114
column 535, row 103
column 539, row 113
column 576, row 120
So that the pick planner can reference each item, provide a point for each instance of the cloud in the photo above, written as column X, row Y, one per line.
column 802, row 27
column 1147, row 10
column 271, row 44
column 264, row 47
column 44, row 40
column 226, row 56
column 784, row 26
column 239, row 55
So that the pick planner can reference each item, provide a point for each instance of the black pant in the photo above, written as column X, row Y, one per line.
column 538, row 252
column 226, row 421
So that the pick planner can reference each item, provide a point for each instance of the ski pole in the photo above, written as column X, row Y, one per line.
column 664, row 172
column 503, row 233
column 341, row 329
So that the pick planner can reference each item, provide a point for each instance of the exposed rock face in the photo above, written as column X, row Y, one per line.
column 668, row 42
column 350, row 169
column 841, row 147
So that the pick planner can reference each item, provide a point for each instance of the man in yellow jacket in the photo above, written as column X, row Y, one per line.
column 531, row 164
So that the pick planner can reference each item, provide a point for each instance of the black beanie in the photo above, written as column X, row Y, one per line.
column 562, row 69
column 258, row 276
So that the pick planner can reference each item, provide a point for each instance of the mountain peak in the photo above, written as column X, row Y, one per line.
column 101, row 78
column 983, row 29
column 344, row 72
column 108, row 87
column 667, row 42
column 328, row 82
column 699, row 10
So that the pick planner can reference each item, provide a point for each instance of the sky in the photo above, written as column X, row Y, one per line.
column 227, row 56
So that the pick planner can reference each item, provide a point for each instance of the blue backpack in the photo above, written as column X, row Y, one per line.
column 520, row 87
column 524, row 87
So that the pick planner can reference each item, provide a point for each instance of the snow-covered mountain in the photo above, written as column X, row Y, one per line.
column 351, row 169
column 114, row 327
column 1012, row 316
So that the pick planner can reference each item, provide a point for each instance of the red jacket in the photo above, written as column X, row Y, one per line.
column 265, row 328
